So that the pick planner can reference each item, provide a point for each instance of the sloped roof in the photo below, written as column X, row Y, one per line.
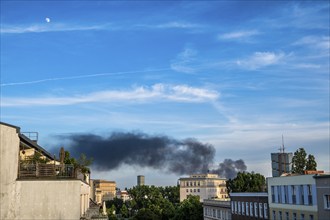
column 34, row 145
column 27, row 141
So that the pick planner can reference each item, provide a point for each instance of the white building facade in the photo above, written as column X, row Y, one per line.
column 35, row 198
column 293, row 197
column 215, row 209
column 206, row 186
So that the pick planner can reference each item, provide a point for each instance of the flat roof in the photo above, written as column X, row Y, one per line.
column 248, row 194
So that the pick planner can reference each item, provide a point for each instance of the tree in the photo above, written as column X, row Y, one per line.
column 124, row 211
column 83, row 162
column 247, row 182
column 190, row 209
column 151, row 201
column 171, row 193
column 115, row 202
column 111, row 213
column 68, row 159
column 145, row 214
column 300, row 163
column 311, row 163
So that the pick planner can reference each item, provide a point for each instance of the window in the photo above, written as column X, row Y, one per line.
column 280, row 215
column 294, row 193
column 255, row 209
column 311, row 217
column 310, row 197
column 286, row 193
column 274, row 215
column 243, row 208
column 191, row 190
column 279, row 197
column 247, row 208
column 194, row 190
column 239, row 208
column 326, row 201
column 260, row 210
column 198, row 190
column 286, row 215
column 235, row 207
column 213, row 212
column 302, row 216
column 187, row 190
column 273, row 194
column 301, row 194
column 294, row 216
column 265, row 211
column 251, row 208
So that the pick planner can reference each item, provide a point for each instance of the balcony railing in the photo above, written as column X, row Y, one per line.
column 39, row 170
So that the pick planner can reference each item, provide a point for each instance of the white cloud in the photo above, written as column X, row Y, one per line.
column 261, row 59
column 157, row 92
column 39, row 28
column 316, row 42
column 184, row 61
column 238, row 35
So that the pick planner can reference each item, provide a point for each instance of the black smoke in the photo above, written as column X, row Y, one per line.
column 138, row 149
column 229, row 168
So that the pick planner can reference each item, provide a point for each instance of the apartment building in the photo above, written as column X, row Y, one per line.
column 104, row 190
column 249, row 205
column 206, row 186
column 303, row 197
column 216, row 209
column 35, row 190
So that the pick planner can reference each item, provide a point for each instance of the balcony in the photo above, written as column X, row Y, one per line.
column 40, row 170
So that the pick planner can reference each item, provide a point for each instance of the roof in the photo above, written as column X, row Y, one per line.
column 248, row 194
column 34, row 145
column 322, row 176
column 13, row 126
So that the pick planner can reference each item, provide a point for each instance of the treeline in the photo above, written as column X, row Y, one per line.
column 155, row 203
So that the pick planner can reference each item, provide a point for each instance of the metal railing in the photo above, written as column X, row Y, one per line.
column 40, row 170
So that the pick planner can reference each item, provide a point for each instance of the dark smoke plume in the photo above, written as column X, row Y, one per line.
column 229, row 168
column 138, row 149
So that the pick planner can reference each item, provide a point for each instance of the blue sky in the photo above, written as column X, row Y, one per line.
column 234, row 74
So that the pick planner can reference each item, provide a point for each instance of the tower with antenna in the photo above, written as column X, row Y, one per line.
column 281, row 162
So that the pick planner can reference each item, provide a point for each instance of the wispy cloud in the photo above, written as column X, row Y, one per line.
column 184, row 61
column 172, row 24
column 157, row 92
column 49, row 27
column 315, row 42
column 238, row 35
column 261, row 59
column 80, row 77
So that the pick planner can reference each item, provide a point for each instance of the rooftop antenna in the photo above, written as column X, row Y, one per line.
column 283, row 149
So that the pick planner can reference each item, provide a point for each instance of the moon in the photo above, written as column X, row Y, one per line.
column 47, row 20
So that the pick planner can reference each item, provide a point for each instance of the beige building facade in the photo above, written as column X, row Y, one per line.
column 104, row 190
column 206, row 186
column 28, row 191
